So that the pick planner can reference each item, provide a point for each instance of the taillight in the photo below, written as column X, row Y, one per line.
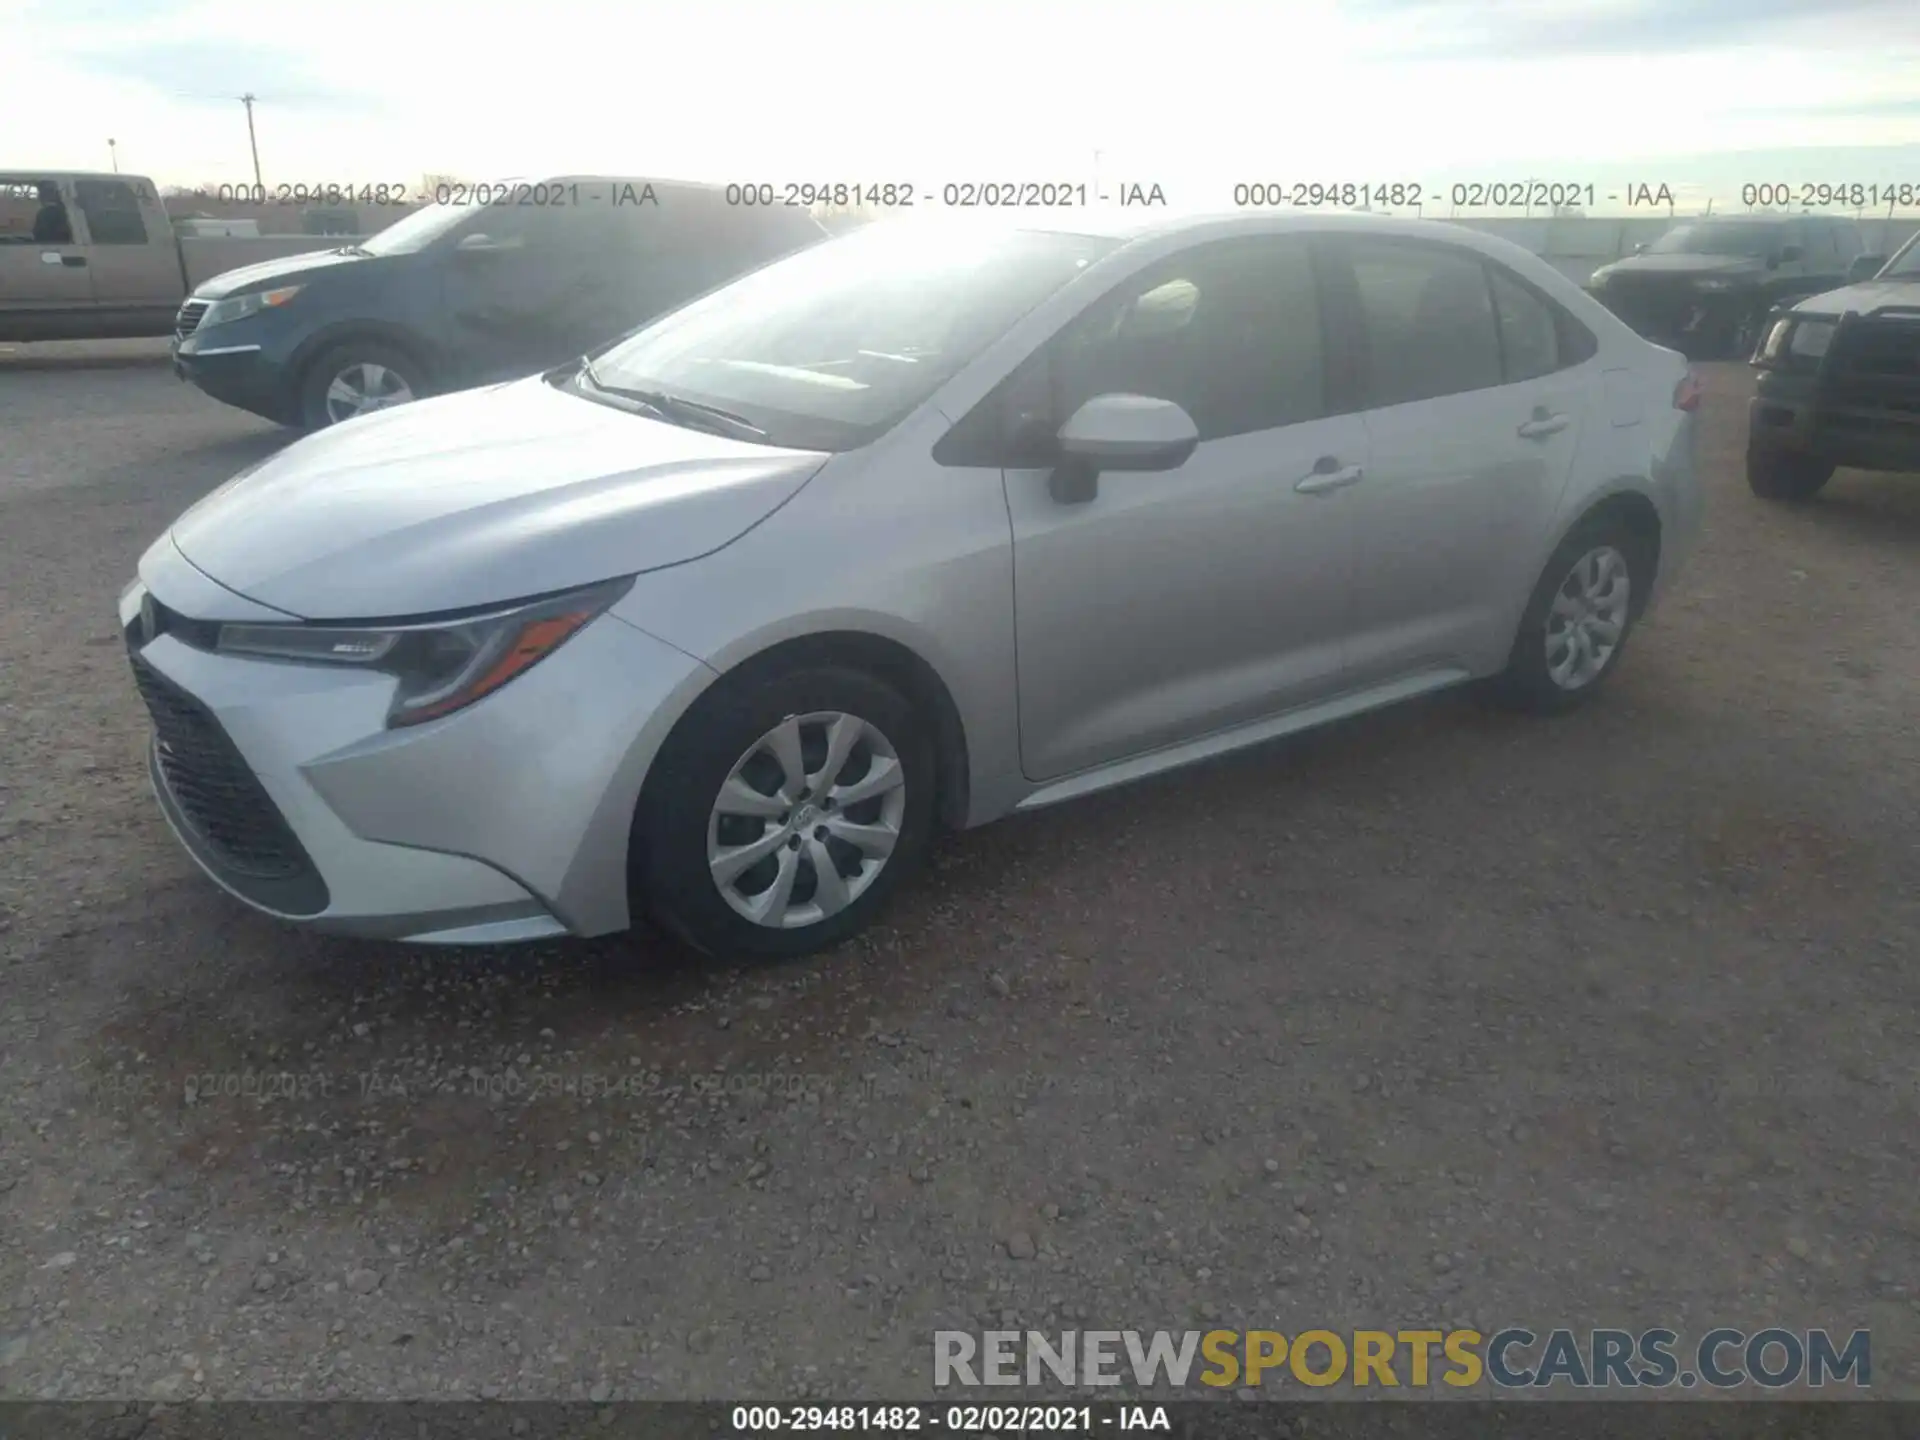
column 1686, row 395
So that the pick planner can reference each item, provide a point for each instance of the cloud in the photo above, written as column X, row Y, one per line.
column 217, row 71
column 1543, row 29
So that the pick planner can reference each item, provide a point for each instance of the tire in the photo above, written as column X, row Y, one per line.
column 1743, row 333
column 1786, row 475
column 319, row 404
column 726, row 737
column 1534, row 680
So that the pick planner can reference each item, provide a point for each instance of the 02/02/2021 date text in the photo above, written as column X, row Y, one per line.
column 954, row 194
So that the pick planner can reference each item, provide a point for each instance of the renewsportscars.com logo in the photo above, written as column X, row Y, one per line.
column 1723, row 1358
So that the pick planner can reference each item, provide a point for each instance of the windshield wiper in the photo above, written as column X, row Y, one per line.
column 673, row 407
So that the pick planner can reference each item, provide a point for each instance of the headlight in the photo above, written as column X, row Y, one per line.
column 239, row 307
column 1811, row 338
column 442, row 666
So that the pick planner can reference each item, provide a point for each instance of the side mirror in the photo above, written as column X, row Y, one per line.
column 1789, row 254
column 1639, row 247
column 1120, row 432
column 1865, row 267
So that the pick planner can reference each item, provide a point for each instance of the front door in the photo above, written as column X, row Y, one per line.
column 42, row 265
column 523, row 289
column 1171, row 605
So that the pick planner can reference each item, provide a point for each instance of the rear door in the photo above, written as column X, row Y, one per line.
column 1475, row 389
column 43, row 267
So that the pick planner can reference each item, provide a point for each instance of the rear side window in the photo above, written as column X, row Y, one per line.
column 112, row 211
column 1426, row 320
column 1529, row 338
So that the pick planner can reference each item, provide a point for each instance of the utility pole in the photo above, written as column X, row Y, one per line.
column 247, row 100
column 115, row 154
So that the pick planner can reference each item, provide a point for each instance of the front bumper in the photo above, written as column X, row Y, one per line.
column 237, row 364
column 1796, row 414
column 505, row 821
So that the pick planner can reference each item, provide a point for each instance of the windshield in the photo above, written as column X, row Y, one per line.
column 418, row 230
column 1731, row 237
column 830, row 348
column 1906, row 261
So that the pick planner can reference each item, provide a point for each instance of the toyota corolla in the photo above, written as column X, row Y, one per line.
column 929, row 524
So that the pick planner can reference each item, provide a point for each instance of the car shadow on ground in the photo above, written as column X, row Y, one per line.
column 1877, row 511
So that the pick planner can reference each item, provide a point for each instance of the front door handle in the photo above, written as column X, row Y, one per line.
column 1329, row 474
column 1543, row 424
column 74, row 262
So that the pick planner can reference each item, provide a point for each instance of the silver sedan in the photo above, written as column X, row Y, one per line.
column 928, row 524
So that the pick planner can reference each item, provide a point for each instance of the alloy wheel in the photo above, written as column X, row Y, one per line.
column 806, row 819
column 1588, row 617
column 365, row 386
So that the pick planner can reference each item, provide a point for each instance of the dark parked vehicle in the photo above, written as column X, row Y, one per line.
column 508, row 280
column 1707, row 286
column 1839, row 383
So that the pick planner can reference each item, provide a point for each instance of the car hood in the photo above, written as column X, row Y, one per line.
column 1731, row 265
column 268, row 273
column 477, row 498
column 1867, row 295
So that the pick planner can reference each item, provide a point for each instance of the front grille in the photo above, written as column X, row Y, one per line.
column 1875, row 364
column 211, row 783
column 188, row 320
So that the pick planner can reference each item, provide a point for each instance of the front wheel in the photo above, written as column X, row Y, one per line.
column 1786, row 475
column 785, row 812
column 357, row 378
column 1577, row 620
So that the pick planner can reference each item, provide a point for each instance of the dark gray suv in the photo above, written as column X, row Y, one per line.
column 1707, row 286
column 487, row 283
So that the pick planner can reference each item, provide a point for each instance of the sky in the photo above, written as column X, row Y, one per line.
column 1193, row 96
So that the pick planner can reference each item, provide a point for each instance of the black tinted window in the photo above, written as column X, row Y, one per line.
column 112, row 211
column 1529, row 336
column 1230, row 331
column 1427, row 325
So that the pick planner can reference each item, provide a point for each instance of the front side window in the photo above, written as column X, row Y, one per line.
column 831, row 347
column 32, row 212
column 1230, row 331
column 1426, row 320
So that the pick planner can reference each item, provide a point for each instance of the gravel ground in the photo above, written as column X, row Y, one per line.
column 1441, row 1017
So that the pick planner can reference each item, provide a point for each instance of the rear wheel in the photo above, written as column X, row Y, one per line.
column 1786, row 475
column 784, row 812
column 1577, row 620
column 357, row 378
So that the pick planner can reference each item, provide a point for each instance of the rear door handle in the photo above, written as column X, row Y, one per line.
column 1329, row 474
column 1542, row 425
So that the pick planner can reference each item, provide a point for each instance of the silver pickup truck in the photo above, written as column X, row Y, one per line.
column 87, row 256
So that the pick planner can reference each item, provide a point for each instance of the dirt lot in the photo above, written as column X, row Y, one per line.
column 1441, row 1017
